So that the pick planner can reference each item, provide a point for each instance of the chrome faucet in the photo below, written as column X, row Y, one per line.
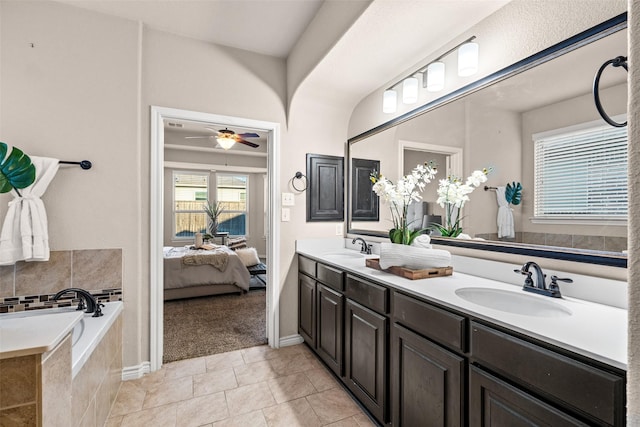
column 364, row 247
column 87, row 301
column 540, row 286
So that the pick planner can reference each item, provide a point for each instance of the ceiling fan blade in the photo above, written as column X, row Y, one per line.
column 197, row 137
column 250, row 144
column 248, row 135
column 211, row 129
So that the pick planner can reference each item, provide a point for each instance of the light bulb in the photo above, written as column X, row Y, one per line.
column 410, row 90
column 389, row 101
column 467, row 59
column 435, row 76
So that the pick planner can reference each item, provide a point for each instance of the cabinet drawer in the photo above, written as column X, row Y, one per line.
column 440, row 325
column 368, row 294
column 330, row 276
column 586, row 389
column 306, row 266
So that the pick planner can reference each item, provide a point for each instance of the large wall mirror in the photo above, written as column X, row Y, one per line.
column 493, row 123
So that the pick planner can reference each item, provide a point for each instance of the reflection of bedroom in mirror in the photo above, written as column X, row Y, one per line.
column 509, row 126
column 215, row 266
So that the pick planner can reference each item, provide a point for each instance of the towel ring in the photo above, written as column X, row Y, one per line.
column 619, row 61
column 299, row 175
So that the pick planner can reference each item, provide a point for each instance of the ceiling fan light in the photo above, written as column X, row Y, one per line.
column 225, row 142
column 435, row 76
column 389, row 101
column 410, row 90
column 467, row 59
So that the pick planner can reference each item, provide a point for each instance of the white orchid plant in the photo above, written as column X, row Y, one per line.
column 399, row 195
column 452, row 195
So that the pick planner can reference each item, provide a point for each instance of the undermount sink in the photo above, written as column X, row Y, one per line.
column 513, row 302
column 343, row 255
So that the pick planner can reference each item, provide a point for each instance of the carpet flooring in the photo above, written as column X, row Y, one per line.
column 203, row 326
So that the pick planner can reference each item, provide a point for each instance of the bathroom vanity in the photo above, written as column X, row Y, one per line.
column 461, row 350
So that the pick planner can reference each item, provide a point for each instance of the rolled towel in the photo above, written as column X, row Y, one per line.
column 395, row 255
column 422, row 241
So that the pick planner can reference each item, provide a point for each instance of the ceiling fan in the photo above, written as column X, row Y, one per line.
column 226, row 138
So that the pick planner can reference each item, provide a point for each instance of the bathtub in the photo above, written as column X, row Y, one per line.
column 86, row 334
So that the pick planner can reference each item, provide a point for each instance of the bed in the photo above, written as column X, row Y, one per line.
column 192, row 273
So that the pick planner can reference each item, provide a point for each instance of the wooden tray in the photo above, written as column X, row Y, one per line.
column 408, row 273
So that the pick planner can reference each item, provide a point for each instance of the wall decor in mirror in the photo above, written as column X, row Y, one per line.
column 533, row 123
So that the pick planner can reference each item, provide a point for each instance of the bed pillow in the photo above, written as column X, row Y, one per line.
column 237, row 243
column 248, row 256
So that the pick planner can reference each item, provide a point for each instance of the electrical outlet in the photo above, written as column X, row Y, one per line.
column 338, row 229
column 286, row 214
column 287, row 199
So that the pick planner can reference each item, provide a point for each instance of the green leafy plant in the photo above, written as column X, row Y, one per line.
column 16, row 170
column 513, row 193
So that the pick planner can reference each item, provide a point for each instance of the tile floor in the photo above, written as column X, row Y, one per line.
column 257, row 386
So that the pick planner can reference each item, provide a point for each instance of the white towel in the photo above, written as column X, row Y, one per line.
column 396, row 255
column 422, row 241
column 505, row 215
column 25, row 234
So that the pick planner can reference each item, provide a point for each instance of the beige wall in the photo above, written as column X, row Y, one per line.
column 85, row 91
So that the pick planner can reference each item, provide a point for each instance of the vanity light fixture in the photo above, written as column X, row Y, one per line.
column 410, row 90
column 389, row 101
column 225, row 142
column 435, row 75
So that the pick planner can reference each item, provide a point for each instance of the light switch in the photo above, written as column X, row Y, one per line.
column 339, row 229
column 286, row 214
column 287, row 199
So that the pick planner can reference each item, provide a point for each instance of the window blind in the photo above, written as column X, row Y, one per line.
column 581, row 174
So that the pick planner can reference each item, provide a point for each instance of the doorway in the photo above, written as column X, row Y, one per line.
column 158, row 117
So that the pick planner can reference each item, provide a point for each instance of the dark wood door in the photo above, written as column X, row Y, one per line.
column 365, row 204
column 307, row 309
column 494, row 403
column 427, row 382
column 366, row 367
column 330, row 325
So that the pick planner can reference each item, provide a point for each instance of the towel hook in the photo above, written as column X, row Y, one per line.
column 619, row 61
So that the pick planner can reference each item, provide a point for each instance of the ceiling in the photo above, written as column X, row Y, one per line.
column 269, row 27
column 389, row 36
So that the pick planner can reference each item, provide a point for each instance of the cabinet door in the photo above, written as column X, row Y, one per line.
column 307, row 309
column 494, row 403
column 365, row 357
column 427, row 382
column 330, row 324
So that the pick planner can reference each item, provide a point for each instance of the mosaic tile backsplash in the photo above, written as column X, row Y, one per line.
column 32, row 285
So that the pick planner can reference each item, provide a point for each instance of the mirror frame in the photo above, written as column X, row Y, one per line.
column 597, row 32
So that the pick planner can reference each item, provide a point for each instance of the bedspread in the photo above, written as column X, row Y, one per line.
column 178, row 275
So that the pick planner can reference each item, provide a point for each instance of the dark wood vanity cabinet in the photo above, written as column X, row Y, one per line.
column 321, row 311
column 330, row 312
column 412, row 362
column 367, row 344
column 427, row 382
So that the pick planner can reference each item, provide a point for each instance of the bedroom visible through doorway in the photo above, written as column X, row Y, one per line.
column 215, row 276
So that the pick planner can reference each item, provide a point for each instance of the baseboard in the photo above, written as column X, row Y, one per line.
column 291, row 340
column 135, row 372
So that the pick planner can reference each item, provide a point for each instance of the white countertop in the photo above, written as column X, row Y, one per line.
column 23, row 336
column 594, row 330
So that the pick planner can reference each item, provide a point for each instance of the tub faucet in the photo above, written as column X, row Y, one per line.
column 364, row 247
column 87, row 301
column 540, row 286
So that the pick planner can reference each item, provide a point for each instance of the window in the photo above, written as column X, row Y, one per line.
column 190, row 193
column 581, row 173
column 232, row 191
